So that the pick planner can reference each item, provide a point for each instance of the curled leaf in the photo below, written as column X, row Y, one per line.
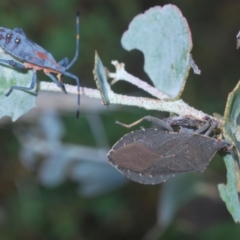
column 100, row 78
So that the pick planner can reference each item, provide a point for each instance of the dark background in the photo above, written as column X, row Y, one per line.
column 31, row 210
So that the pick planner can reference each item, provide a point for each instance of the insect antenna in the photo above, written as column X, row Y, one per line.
column 77, row 41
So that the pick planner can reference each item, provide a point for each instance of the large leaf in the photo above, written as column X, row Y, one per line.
column 231, row 124
column 163, row 35
column 18, row 102
column 231, row 130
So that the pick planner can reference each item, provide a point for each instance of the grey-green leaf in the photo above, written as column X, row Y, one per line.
column 231, row 131
column 18, row 102
column 231, row 124
column 228, row 192
column 163, row 35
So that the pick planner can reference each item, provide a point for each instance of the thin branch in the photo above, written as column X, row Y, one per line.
column 121, row 74
column 178, row 107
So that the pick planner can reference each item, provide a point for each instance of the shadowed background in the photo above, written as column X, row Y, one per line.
column 37, row 203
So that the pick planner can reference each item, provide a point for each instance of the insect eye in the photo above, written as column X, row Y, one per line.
column 17, row 40
column 9, row 35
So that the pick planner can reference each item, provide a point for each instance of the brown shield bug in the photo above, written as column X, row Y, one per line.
column 154, row 155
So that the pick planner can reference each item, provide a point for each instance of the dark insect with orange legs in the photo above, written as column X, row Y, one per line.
column 32, row 56
column 154, row 155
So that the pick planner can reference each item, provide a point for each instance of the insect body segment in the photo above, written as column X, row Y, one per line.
column 15, row 43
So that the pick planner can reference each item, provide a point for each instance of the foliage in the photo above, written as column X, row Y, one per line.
column 230, row 126
column 163, row 35
column 31, row 210
column 25, row 100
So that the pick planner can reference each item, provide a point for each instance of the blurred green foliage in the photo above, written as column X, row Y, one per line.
column 30, row 211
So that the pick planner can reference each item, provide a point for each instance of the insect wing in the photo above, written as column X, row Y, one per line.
column 153, row 156
column 35, row 54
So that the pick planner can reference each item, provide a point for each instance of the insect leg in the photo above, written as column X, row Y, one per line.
column 33, row 83
column 77, row 42
column 13, row 63
column 203, row 128
column 59, row 84
column 157, row 121
column 78, row 90
column 211, row 128
column 184, row 122
column 64, row 62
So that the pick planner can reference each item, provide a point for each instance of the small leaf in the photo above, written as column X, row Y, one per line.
column 18, row 102
column 163, row 35
column 228, row 192
column 99, row 73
